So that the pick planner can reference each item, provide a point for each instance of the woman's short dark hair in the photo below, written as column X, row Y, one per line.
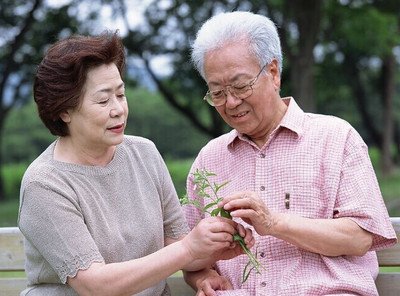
column 60, row 77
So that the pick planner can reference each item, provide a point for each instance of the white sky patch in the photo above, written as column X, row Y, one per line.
column 161, row 65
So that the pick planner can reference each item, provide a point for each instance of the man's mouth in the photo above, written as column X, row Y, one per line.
column 241, row 114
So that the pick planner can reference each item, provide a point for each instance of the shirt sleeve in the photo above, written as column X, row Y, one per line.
column 50, row 219
column 359, row 197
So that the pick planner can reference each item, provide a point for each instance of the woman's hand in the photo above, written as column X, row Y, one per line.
column 212, row 240
column 235, row 249
column 210, row 235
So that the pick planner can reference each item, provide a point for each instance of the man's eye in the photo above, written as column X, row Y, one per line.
column 240, row 87
column 103, row 102
column 217, row 93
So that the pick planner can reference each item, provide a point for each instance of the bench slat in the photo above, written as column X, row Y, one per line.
column 12, row 259
column 179, row 287
column 12, row 286
column 388, row 283
column 391, row 257
column 12, row 255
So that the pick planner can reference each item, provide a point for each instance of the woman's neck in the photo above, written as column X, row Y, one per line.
column 69, row 151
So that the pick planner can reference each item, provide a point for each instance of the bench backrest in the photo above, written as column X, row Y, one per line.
column 12, row 259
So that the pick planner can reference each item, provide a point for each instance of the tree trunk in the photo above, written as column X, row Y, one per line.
column 2, row 191
column 307, row 15
column 388, row 79
column 354, row 80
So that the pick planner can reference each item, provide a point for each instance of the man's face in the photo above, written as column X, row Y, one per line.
column 234, row 65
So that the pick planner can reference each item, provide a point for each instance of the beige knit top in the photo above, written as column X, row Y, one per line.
column 72, row 215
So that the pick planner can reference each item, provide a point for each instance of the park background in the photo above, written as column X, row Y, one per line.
column 340, row 58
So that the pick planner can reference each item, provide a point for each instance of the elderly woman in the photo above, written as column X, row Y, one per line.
column 98, row 210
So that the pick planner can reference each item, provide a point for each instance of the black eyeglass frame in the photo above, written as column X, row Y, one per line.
column 209, row 99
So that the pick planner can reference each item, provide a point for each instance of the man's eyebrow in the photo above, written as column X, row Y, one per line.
column 234, row 79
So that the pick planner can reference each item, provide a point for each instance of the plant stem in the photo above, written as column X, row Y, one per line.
column 202, row 182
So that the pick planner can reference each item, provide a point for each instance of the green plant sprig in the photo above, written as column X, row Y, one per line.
column 202, row 183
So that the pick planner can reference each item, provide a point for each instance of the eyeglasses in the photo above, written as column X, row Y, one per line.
column 240, row 90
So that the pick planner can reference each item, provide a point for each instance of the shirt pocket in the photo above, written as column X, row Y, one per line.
column 306, row 201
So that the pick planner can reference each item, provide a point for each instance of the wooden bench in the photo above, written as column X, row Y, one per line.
column 12, row 260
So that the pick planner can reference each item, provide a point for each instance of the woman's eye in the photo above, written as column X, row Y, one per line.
column 103, row 102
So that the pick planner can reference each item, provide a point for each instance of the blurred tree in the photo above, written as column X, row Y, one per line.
column 363, row 36
column 343, row 31
column 26, row 29
column 15, row 27
column 339, row 55
column 299, row 27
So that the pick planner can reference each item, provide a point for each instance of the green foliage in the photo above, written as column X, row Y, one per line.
column 26, row 136
column 179, row 170
column 365, row 30
column 12, row 175
column 151, row 117
column 9, row 213
column 203, row 187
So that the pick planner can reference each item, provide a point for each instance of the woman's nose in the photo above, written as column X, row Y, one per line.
column 117, row 108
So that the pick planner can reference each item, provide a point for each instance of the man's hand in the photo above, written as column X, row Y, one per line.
column 207, row 282
column 251, row 209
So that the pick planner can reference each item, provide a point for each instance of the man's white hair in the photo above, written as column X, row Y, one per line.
column 259, row 31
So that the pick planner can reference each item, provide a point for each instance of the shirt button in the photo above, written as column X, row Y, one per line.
column 262, row 254
column 262, row 188
column 262, row 155
column 263, row 284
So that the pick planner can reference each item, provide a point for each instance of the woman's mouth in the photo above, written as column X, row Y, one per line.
column 119, row 128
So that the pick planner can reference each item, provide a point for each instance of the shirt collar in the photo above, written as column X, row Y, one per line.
column 292, row 120
column 294, row 117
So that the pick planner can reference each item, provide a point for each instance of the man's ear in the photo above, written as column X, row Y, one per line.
column 276, row 75
column 65, row 116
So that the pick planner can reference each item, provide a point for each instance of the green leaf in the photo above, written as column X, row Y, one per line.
column 215, row 212
column 225, row 214
column 211, row 204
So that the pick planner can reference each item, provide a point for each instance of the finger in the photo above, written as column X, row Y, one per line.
column 222, row 238
column 223, row 225
column 241, row 203
column 214, row 225
column 244, row 213
column 234, row 196
column 241, row 230
column 251, row 243
column 207, row 290
column 247, row 235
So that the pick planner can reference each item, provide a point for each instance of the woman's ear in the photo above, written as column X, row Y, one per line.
column 65, row 116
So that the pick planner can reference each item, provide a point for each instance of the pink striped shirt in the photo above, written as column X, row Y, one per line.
column 323, row 163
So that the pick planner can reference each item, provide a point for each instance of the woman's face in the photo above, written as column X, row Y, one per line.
column 99, row 122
